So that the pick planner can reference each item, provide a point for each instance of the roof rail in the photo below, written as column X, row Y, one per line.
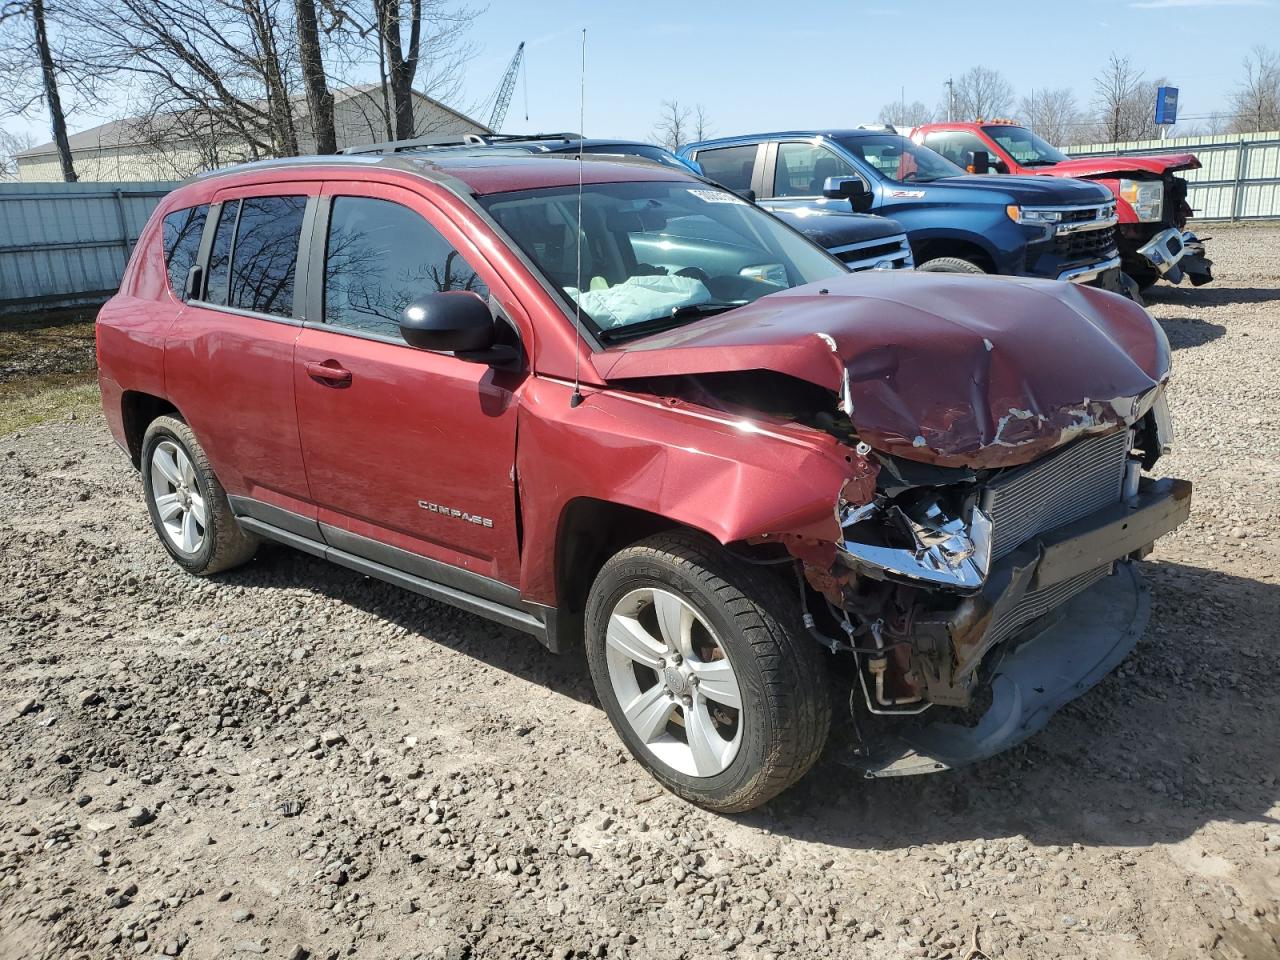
column 454, row 140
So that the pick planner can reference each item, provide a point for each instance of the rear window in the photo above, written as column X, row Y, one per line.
column 182, row 232
column 728, row 166
column 254, row 256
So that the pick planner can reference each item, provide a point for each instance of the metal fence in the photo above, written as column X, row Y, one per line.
column 1239, row 176
column 63, row 244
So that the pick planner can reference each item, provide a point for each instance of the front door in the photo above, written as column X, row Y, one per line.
column 409, row 453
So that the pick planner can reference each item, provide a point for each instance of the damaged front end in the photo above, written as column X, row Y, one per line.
column 1018, row 583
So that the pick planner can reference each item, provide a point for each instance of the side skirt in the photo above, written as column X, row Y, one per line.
column 468, row 591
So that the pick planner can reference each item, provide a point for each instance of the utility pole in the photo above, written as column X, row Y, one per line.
column 950, row 84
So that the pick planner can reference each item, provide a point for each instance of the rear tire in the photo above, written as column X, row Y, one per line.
column 188, row 506
column 735, row 638
column 950, row 265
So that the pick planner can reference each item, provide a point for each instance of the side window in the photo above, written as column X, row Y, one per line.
column 957, row 146
column 220, row 254
column 728, row 166
column 265, row 255
column 382, row 256
column 182, row 231
column 803, row 168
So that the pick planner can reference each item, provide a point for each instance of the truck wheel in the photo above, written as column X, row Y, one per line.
column 705, row 672
column 950, row 265
column 188, row 506
column 1144, row 277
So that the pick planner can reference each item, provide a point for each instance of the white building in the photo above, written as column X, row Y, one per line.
column 126, row 150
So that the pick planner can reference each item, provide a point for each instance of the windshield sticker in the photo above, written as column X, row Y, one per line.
column 716, row 196
column 906, row 194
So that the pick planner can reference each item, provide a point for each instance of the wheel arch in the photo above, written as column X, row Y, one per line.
column 137, row 412
column 931, row 248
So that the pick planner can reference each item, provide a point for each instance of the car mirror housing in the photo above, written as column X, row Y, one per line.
column 455, row 320
column 852, row 189
column 981, row 162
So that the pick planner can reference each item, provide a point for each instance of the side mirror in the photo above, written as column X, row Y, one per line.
column 747, row 194
column 852, row 189
column 456, row 320
column 981, row 162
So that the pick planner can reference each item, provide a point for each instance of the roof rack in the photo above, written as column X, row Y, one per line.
column 455, row 140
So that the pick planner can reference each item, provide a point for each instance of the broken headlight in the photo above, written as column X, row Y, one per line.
column 921, row 537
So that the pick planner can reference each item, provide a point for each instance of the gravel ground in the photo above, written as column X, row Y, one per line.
column 294, row 761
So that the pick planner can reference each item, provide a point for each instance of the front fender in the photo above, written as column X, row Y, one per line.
column 733, row 478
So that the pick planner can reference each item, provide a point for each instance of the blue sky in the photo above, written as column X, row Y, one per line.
column 769, row 65
column 757, row 65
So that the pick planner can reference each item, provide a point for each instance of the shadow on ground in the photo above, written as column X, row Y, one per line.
column 1186, row 332
column 1181, row 735
column 1208, row 296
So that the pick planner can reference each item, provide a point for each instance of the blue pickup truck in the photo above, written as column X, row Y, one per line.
column 1057, row 228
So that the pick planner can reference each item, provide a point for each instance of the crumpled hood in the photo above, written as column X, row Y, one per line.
column 1118, row 166
column 945, row 369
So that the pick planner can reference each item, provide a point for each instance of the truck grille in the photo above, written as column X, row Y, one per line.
column 1083, row 478
column 871, row 253
column 1088, row 243
column 1036, row 604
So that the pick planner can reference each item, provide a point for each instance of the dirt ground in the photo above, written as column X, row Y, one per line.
column 292, row 760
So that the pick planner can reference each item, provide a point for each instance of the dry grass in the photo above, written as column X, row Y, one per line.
column 47, row 368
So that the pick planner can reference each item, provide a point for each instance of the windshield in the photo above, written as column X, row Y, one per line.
column 656, row 254
column 1024, row 146
column 898, row 159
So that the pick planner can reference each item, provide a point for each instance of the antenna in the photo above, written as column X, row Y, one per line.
column 576, row 397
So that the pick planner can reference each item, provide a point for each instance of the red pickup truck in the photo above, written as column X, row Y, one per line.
column 1152, row 202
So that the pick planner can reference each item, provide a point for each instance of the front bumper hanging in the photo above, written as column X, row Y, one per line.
column 1058, row 618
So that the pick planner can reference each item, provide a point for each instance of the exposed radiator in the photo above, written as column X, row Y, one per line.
column 1083, row 478
column 1037, row 604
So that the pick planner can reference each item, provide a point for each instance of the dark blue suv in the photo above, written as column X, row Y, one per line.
column 1054, row 228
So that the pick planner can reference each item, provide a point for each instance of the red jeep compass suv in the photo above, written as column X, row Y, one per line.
column 634, row 410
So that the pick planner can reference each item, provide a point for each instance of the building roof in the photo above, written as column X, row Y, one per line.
column 124, row 133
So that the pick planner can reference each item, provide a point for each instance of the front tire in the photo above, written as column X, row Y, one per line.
column 188, row 506
column 705, row 672
column 950, row 265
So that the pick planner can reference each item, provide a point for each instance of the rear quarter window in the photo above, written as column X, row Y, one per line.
column 182, row 232
column 730, row 167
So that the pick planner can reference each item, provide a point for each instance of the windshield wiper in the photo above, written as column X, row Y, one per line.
column 676, row 318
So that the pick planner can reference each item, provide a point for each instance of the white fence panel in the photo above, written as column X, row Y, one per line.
column 68, row 243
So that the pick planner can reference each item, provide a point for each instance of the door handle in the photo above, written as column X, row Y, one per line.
column 329, row 372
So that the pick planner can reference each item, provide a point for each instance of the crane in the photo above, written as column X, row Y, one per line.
column 502, row 99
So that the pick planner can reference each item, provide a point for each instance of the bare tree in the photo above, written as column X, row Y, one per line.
column 982, row 94
column 419, row 45
column 673, row 127
column 903, row 114
column 319, row 99
column 1255, row 102
column 26, row 53
column 206, row 72
column 12, row 144
column 1053, row 114
column 1124, row 102
column 701, row 123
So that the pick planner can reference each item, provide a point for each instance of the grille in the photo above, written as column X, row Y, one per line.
column 1083, row 478
column 876, row 252
column 1087, row 242
column 1037, row 604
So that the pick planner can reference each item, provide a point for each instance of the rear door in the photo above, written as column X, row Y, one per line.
column 410, row 454
column 229, row 359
